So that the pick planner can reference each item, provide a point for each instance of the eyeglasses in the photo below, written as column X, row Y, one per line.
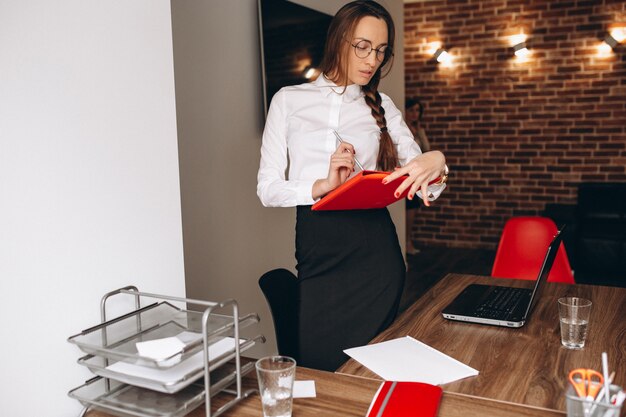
column 363, row 49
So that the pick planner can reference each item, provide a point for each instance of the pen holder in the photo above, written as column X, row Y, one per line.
column 579, row 407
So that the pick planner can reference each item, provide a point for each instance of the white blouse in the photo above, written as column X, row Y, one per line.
column 298, row 139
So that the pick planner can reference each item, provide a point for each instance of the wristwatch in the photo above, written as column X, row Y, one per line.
column 443, row 177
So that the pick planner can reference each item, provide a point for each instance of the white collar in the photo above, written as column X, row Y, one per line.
column 352, row 92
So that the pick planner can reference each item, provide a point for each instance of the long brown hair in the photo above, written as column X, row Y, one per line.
column 335, row 66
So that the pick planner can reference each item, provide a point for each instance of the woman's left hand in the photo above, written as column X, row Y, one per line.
column 420, row 170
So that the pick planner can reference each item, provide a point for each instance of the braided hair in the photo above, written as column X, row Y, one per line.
column 387, row 154
column 334, row 65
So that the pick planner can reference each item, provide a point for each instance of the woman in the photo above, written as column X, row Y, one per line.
column 349, row 263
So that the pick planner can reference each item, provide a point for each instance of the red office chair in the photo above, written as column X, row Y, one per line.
column 522, row 248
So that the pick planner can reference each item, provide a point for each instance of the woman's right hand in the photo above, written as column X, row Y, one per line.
column 340, row 168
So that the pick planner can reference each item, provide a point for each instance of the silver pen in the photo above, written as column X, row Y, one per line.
column 341, row 141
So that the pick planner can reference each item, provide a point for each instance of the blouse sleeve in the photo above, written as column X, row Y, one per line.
column 273, row 188
column 405, row 143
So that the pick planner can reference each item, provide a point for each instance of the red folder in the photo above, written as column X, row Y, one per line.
column 363, row 191
column 406, row 399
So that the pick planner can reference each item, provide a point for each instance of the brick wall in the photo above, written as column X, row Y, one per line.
column 517, row 135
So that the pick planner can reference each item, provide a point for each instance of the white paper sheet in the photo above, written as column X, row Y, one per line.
column 407, row 359
column 304, row 389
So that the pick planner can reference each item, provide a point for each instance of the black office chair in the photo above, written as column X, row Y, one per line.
column 601, row 239
column 280, row 288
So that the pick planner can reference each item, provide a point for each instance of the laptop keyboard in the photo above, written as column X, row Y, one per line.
column 501, row 303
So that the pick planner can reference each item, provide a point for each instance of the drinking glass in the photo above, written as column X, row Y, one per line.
column 276, row 375
column 574, row 316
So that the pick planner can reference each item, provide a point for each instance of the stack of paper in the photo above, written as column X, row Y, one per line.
column 178, row 371
column 407, row 359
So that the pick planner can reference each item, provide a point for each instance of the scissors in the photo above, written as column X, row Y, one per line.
column 586, row 382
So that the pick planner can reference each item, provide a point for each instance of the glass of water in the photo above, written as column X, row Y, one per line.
column 276, row 375
column 574, row 314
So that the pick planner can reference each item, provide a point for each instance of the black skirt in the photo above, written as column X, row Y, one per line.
column 351, row 275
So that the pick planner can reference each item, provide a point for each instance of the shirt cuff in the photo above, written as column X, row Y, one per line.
column 304, row 193
column 435, row 191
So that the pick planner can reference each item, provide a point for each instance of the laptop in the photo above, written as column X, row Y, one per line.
column 498, row 305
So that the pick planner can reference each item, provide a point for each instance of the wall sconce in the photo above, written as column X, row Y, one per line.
column 309, row 72
column 442, row 56
column 518, row 42
column 521, row 50
column 616, row 36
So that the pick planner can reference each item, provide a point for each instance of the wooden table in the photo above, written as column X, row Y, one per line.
column 526, row 366
column 349, row 396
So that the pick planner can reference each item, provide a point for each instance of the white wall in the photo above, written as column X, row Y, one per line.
column 89, row 185
column 230, row 239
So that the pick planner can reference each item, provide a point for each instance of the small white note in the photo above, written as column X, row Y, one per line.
column 304, row 389
column 160, row 348
column 189, row 337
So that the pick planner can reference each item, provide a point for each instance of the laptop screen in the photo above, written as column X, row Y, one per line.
column 544, row 272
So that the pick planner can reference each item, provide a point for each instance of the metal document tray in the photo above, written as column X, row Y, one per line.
column 157, row 379
column 116, row 338
column 127, row 400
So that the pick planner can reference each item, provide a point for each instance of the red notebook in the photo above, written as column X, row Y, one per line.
column 363, row 191
column 405, row 399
